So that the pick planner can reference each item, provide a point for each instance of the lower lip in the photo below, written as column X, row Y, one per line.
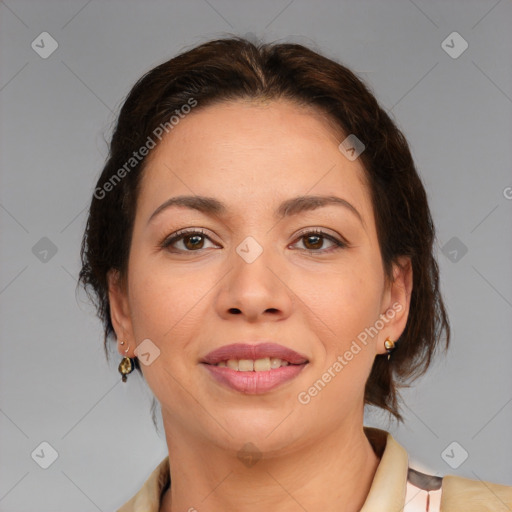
column 254, row 383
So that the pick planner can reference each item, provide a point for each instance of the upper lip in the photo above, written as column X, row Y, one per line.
column 253, row 351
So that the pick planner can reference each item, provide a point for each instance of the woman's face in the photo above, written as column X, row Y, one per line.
column 255, row 273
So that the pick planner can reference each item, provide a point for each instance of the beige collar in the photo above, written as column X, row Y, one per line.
column 389, row 484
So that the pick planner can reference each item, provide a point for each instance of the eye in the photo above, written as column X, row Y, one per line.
column 314, row 239
column 192, row 240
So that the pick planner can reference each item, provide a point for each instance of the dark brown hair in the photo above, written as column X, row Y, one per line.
column 234, row 68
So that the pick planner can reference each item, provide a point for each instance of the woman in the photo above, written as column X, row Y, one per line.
column 261, row 242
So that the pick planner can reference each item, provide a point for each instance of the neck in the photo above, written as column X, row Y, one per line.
column 332, row 473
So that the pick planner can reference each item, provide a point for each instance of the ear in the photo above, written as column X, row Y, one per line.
column 120, row 313
column 396, row 302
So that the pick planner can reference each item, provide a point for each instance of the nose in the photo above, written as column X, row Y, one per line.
column 256, row 290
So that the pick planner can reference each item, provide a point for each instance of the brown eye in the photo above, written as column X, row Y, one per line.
column 313, row 242
column 191, row 240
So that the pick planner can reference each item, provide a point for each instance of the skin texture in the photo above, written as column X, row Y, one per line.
column 252, row 155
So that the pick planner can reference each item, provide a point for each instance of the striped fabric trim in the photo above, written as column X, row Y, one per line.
column 423, row 492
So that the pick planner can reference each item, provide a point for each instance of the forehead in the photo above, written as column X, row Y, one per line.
column 251, row 124
column 258, row 149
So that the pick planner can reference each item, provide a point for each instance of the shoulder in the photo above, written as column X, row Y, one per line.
column 455, row 494
column 431, row 492
column 468, row 495
column 148, row 498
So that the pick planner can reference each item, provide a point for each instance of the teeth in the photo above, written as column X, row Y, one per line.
column 232, row 363
column 275, row 362
column 245, row 365
column 262, row 365
column 249, row 365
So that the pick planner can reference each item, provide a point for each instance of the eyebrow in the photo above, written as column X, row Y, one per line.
column 292, row 206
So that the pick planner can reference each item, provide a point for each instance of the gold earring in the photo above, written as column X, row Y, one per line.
column 390, row 346
column 126, row 365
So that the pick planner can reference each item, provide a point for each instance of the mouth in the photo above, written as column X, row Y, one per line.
column 250, row 365
column 254, row 369
column 260, row 354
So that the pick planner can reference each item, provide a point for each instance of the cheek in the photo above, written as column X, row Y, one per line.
column 166, row 304
column 345, row 300
column 344, row 305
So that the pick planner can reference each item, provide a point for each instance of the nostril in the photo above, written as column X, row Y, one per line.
column 235, row 311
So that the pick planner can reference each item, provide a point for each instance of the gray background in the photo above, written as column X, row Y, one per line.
column 55, row 384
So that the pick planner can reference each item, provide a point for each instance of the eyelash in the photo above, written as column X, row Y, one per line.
column 175, row 237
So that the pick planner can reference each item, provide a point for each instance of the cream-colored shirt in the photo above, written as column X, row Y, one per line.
column 395, row 486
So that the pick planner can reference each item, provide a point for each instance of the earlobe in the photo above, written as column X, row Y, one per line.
column 398, row 303
column 119, row 311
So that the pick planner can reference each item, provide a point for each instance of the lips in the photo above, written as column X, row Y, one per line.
column 254, row 352
column 277, row 365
